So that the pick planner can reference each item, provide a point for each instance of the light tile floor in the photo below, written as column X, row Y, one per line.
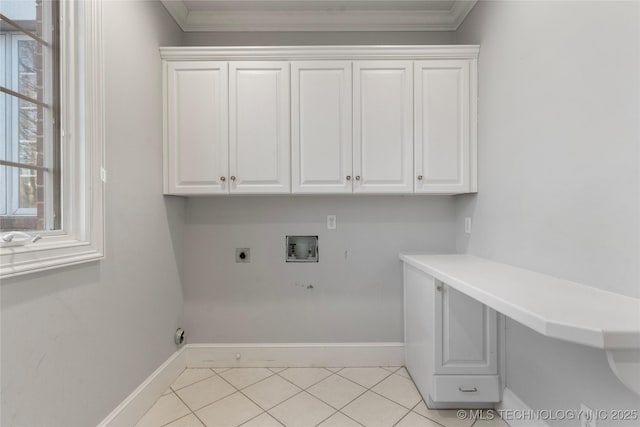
column 299, row 397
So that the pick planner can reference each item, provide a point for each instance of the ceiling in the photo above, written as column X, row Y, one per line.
column 319, row 15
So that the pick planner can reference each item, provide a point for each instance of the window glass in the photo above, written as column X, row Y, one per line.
column 29, row 81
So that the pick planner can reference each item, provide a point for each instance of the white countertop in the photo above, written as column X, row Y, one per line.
column 553, row 307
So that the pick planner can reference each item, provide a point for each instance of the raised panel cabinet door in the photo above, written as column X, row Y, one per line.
column 466, row 334
column 442, row 126
column 321, row 129
column 383, row 126
column 259, row 143
column 196, row 127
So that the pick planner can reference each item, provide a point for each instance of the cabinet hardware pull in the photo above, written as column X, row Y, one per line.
column 439, row 288
column 357, row 177
column 419, row 177
column 223, row 179
column 468, row 390
column 232, row 178
column 348, row 177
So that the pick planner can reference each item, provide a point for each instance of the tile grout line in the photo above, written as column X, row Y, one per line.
column 175, row 419
column 217, row 400
column 192, row 411
column 424, row 416
column 196, row 382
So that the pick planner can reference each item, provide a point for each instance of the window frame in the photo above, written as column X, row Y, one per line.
column 80, row 238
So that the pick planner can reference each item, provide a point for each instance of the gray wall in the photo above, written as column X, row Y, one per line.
column 76, row 341
column 316, row 38
column 354, row 299
column 357, row 285
column 559, row 173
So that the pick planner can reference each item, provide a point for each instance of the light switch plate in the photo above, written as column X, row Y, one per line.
column 331, row 222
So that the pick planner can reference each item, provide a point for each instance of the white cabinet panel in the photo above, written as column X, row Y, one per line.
column 321, row 126
column 259, row 127
column 467, row 337
column 419, row 328
column 196, row 131
column 450, row 343
column 383, row 126
column 442, row 126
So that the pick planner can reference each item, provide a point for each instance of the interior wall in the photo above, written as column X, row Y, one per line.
column 353, row 294
column 292, row 38
column 76, row 341
column 559, row 172
column 355, row 298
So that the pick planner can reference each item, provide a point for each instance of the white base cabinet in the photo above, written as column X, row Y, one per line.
column 320, row 119
column 451, row 346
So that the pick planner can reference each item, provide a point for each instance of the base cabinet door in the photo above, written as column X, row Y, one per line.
column 443, row 126
column 450, row 344
column 196, row 127
column 465, row 335
column 321, row 147
column 259, row 127
column 383, row 126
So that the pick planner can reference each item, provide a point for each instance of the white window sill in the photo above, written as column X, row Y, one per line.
column 46, row 255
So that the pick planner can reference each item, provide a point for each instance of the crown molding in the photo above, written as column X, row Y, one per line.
column 285, row 53
column 384, row 18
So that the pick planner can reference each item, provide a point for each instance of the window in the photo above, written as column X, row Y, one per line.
column 29, row 80
column 51, row 149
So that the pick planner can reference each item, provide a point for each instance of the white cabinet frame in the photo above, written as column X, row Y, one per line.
column 280, row 167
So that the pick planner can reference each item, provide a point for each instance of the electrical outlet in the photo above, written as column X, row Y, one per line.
column 467, row 225
column 243, row 255
column 331, row 222
column 587, row 416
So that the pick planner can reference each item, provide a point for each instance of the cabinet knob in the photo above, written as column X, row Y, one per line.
column 357, row 177
column 439, row 288
column 420, row 177
column 348, row 177
column 223, row 178
column 232, row 178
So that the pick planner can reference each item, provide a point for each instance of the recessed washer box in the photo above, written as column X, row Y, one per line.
column 302, row 249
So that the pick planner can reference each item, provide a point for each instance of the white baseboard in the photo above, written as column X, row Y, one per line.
column 129, row 412
column 512, row 408
column 294, row 355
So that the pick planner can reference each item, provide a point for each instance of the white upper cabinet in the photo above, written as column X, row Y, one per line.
column 321, row 147
column 444, row 127
column 196, row 127
column 320, row 119
column 383, row 127
column 259, row 127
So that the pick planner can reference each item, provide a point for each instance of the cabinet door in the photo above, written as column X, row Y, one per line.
column 442, row 126
column 383, row 131
column 321, row 146
column 419, row 323
column 466, row 334
column 259, row 127
column 196, row 127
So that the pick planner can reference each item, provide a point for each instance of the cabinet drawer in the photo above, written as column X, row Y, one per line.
column 466, row 388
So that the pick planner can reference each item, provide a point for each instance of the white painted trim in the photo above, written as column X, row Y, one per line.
column 294, row 355
column 347, row 18
column 512, row 407
column 129, row 412
column 284, row 53
column 82, row 121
